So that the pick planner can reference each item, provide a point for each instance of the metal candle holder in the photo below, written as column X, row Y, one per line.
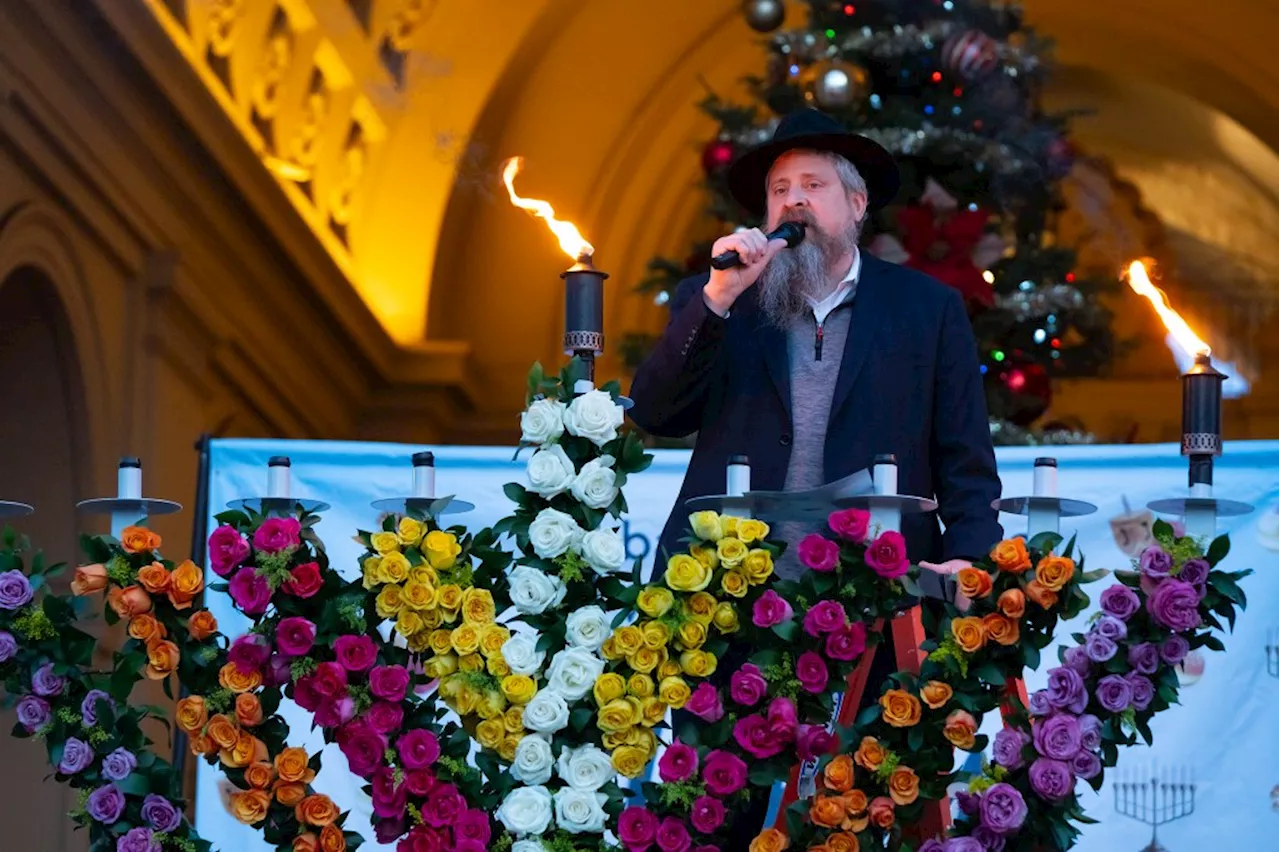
column 1168, row 796
column 279, row 499
column 12, row 509
column 886, row 505
column 128, row 507
column 423, row 499
column 1043, row 507
column 584, row 313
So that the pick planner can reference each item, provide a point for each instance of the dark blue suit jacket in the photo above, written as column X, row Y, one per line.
column 908, row 384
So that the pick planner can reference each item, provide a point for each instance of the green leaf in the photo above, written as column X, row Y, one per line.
column 990, row 673
column 915, row 739
column 763, row 774
column 580, row 718
column 1219, row 549
column 1213, row 643
column 515, row 492
column 1045, row 541
column 868, row 715
column 135, row 783
column 1225, row 587
column 1030, row 655
column 1093, row 576
column 787, row 630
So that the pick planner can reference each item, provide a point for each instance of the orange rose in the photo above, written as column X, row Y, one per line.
column 855, row 802
column 316, row 809
column 306, row 843
column 969, row 633
column 1012, row 603
column 974, row 583
column 904, row 786
column 191, row 713
column 291, row 765
column 138, row 540
column 154, row 578
column 223, row 731
column 245, row 751
column 1047, row 598
column 935, row 693
column 202, row 745
column 162, row 659
column 259, row 775
column 250, row 806
column 331, row 839
column 827, row 811
column 237, row 681
column 1011, row 555
column 185, row 583
column 130, row 601
column 248, row 710
column 1053, row 572
column 843, row 842
column 870, row 754
column 821, row 847
column 881, row 810
column 290, row 794
column 770, row 840
column 900, row 709
column 89, row 579
column 145, row 627
column 959, row 729
column 1002, row 630
column 838, row 775
column 201, row 625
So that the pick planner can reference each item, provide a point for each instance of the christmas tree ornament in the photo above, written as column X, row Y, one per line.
column 1060, row 156
column 1028, row 388
column 835, row 84
column 971, row 54
column 764, row 16
column 717, row 155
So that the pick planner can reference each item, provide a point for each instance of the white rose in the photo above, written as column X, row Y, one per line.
column 587, row 627
column 522, row 655
column 546, row 713
column 550, row 472
column 580, row 812
column 585, row 767
column 553, row 532
column 604, row 550
column 526, row 810
column 594, row 416
column 528, row 846
column 533, row 592
column 572, row 673
column 533, row 761
column 596, row 484
column 542, row 421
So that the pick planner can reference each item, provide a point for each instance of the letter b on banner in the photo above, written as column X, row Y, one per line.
column 637, row 544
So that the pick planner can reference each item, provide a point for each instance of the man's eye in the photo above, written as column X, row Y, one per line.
column 813, row 184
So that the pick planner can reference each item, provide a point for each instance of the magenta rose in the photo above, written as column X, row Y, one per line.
column 818, row 553
column 707, row 814
column 389, row 798
column 756, row 737
column 824, row 617
column 304, row 580
column 418, row 749
column 678, row 763
column 782, row 719
column 747, row 686
column 355, row 653
column 770, row 609
column 706, row 847
column 277, row 535
column 362, row 746
column 390, row 683
column 227, row 550
column 386, row 717
column 295, row 636
column 637, row 827
column 420, row 782
column 811, row 670
column 1175, row 605
column 330, row 680
column 848, row 642
column 473, row 825
column 249, row 653
column 335, row 711
column 887, row 555
column 850, row 524
column 444, row 806
column 724, row 773
column 705, row 703
column 814, row 741
column 672, row 836
column 249, row 591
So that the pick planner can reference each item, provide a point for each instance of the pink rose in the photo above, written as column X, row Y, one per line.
column 227, row 550
column 363, row 747
column 330, row 680
column 850, row 524
column 673, row 836
column 389, row 683
column 389, row 799
column 824, row 617
column 305, row 693
column 818, row 553
column 418, row 749
column 295, row 636
column 770, row 609
column 304, row 580
column 782, row 719
column 707, row 814
column 848, row 642
column 747, row 686
column 420, row 782
column 277, row 534
column 887, row 555
column 756, row 737
column 705, row 703
column 706, row 847
column 386, row 717
column 356, row 653
column 724, row 772
column 444, row 806
column 811, row 670
column 637, row 827
column 424, row 838
column 473, row 825
column 335, row 712
column 815, row 741
column 678, row 763
column 249, row 652
column 278, row 672
column 249, row 591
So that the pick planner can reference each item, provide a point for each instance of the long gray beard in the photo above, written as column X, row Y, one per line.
column 802, row 271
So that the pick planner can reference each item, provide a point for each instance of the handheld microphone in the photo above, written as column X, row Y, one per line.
column 792, row 232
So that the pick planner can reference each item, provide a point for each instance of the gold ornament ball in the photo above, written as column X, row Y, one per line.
column 835, row 84
column 763, row 16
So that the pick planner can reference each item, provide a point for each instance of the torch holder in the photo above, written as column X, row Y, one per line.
column 584, row 313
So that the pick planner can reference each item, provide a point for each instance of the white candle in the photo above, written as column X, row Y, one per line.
column 1042, row 516
column 278, row 478
column 129, row 480
column 424, row 475
column 738, row 476
column 884, row 477
column 581, row 386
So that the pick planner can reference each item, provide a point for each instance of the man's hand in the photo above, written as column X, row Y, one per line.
column 726, row 285
column 951, row 567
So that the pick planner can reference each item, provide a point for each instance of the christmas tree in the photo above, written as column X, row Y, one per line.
column 952, row 89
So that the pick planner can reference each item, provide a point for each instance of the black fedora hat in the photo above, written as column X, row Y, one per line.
column 813, row 130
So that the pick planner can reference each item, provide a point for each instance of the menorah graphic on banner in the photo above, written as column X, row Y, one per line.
column 1155, row 796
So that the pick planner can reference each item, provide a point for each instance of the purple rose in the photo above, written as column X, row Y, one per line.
column 1002, row 808
column 964, row 844
column 1099, row 648
column 1086, row 764
column 1090, row 732
column 1111, row 627
column 33, row 712
column 1051, row 779
column 932, row 845
column 1119, row 600
column 1144, row 658
column 1114, row 693
column 1175, row 605
column 1143, row 690
column 1174, row 649
column 1155, row 563
column 89, row 706
column 106, row 804
column 137, row 840
column 1007, row 747
column 990, row 841
column 1038, row 703
column 118, row 765
column 1066, row 690
column 1077, row 658
column 8, row 646
column 47, row 684
column 1195, row 572
column 15, row 590
column 968, row 802
column 76, row 755
column 160, row 813
column 1058, row 736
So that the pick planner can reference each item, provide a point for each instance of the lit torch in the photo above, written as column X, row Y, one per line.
column 584, row 284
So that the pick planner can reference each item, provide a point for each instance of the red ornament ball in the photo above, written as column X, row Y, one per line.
column 1029, row 391
column 971, row 54
column 718, row 154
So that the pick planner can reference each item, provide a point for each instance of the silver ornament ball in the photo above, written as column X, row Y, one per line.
column 763, row 16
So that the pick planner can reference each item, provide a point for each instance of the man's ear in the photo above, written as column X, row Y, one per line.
column 858, row 201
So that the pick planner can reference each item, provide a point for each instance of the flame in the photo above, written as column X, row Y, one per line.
column 1173, row 321
column 571, row 242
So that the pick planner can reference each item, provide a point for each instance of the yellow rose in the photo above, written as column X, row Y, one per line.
column 609, row 650
column 758, row 565
column 668, row 669
column 507, row 750
column 513, row 719
column 409, row 622
column 732, row 551
column 424, row 574
column 614, row 739
column 706, row 525
column 441, row 665
column 410, row 531
column 477, row 606
column 691, row 635
column 490, row 733
column 734, row 583
column 394, row 568
column 654, row 601
column 697, row 663
column 431, row 619
column 441, row 641
column 442, row 549
column 652, row 712
column 628, row 640
column 497, row 666
column 419, row 642
column 418, row 596
column 466, row 639
column 686, row 574
column 726, row 618
column 519, row 689
column 645, row 659
column 470, row 663
column 729, row 525
column 750, row 530
column 643, row 738
column 701, row 607
column 371, row 571
column 629, row 760
column 389, row 602
column 619, row 714
column 449, row 596
column 608, row 687
column 656, row 634
column 706, row 554
column 384, row 542
column 491, row 705
column 468, row 698
column 640, row 685
column 450, row 687
column 492, row 638
column 674, row 692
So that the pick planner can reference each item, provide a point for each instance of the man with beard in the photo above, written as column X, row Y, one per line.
column 813, row 360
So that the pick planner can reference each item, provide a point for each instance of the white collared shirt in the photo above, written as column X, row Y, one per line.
column 821, row 309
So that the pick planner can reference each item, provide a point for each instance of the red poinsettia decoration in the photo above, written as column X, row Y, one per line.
column 942, row 240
